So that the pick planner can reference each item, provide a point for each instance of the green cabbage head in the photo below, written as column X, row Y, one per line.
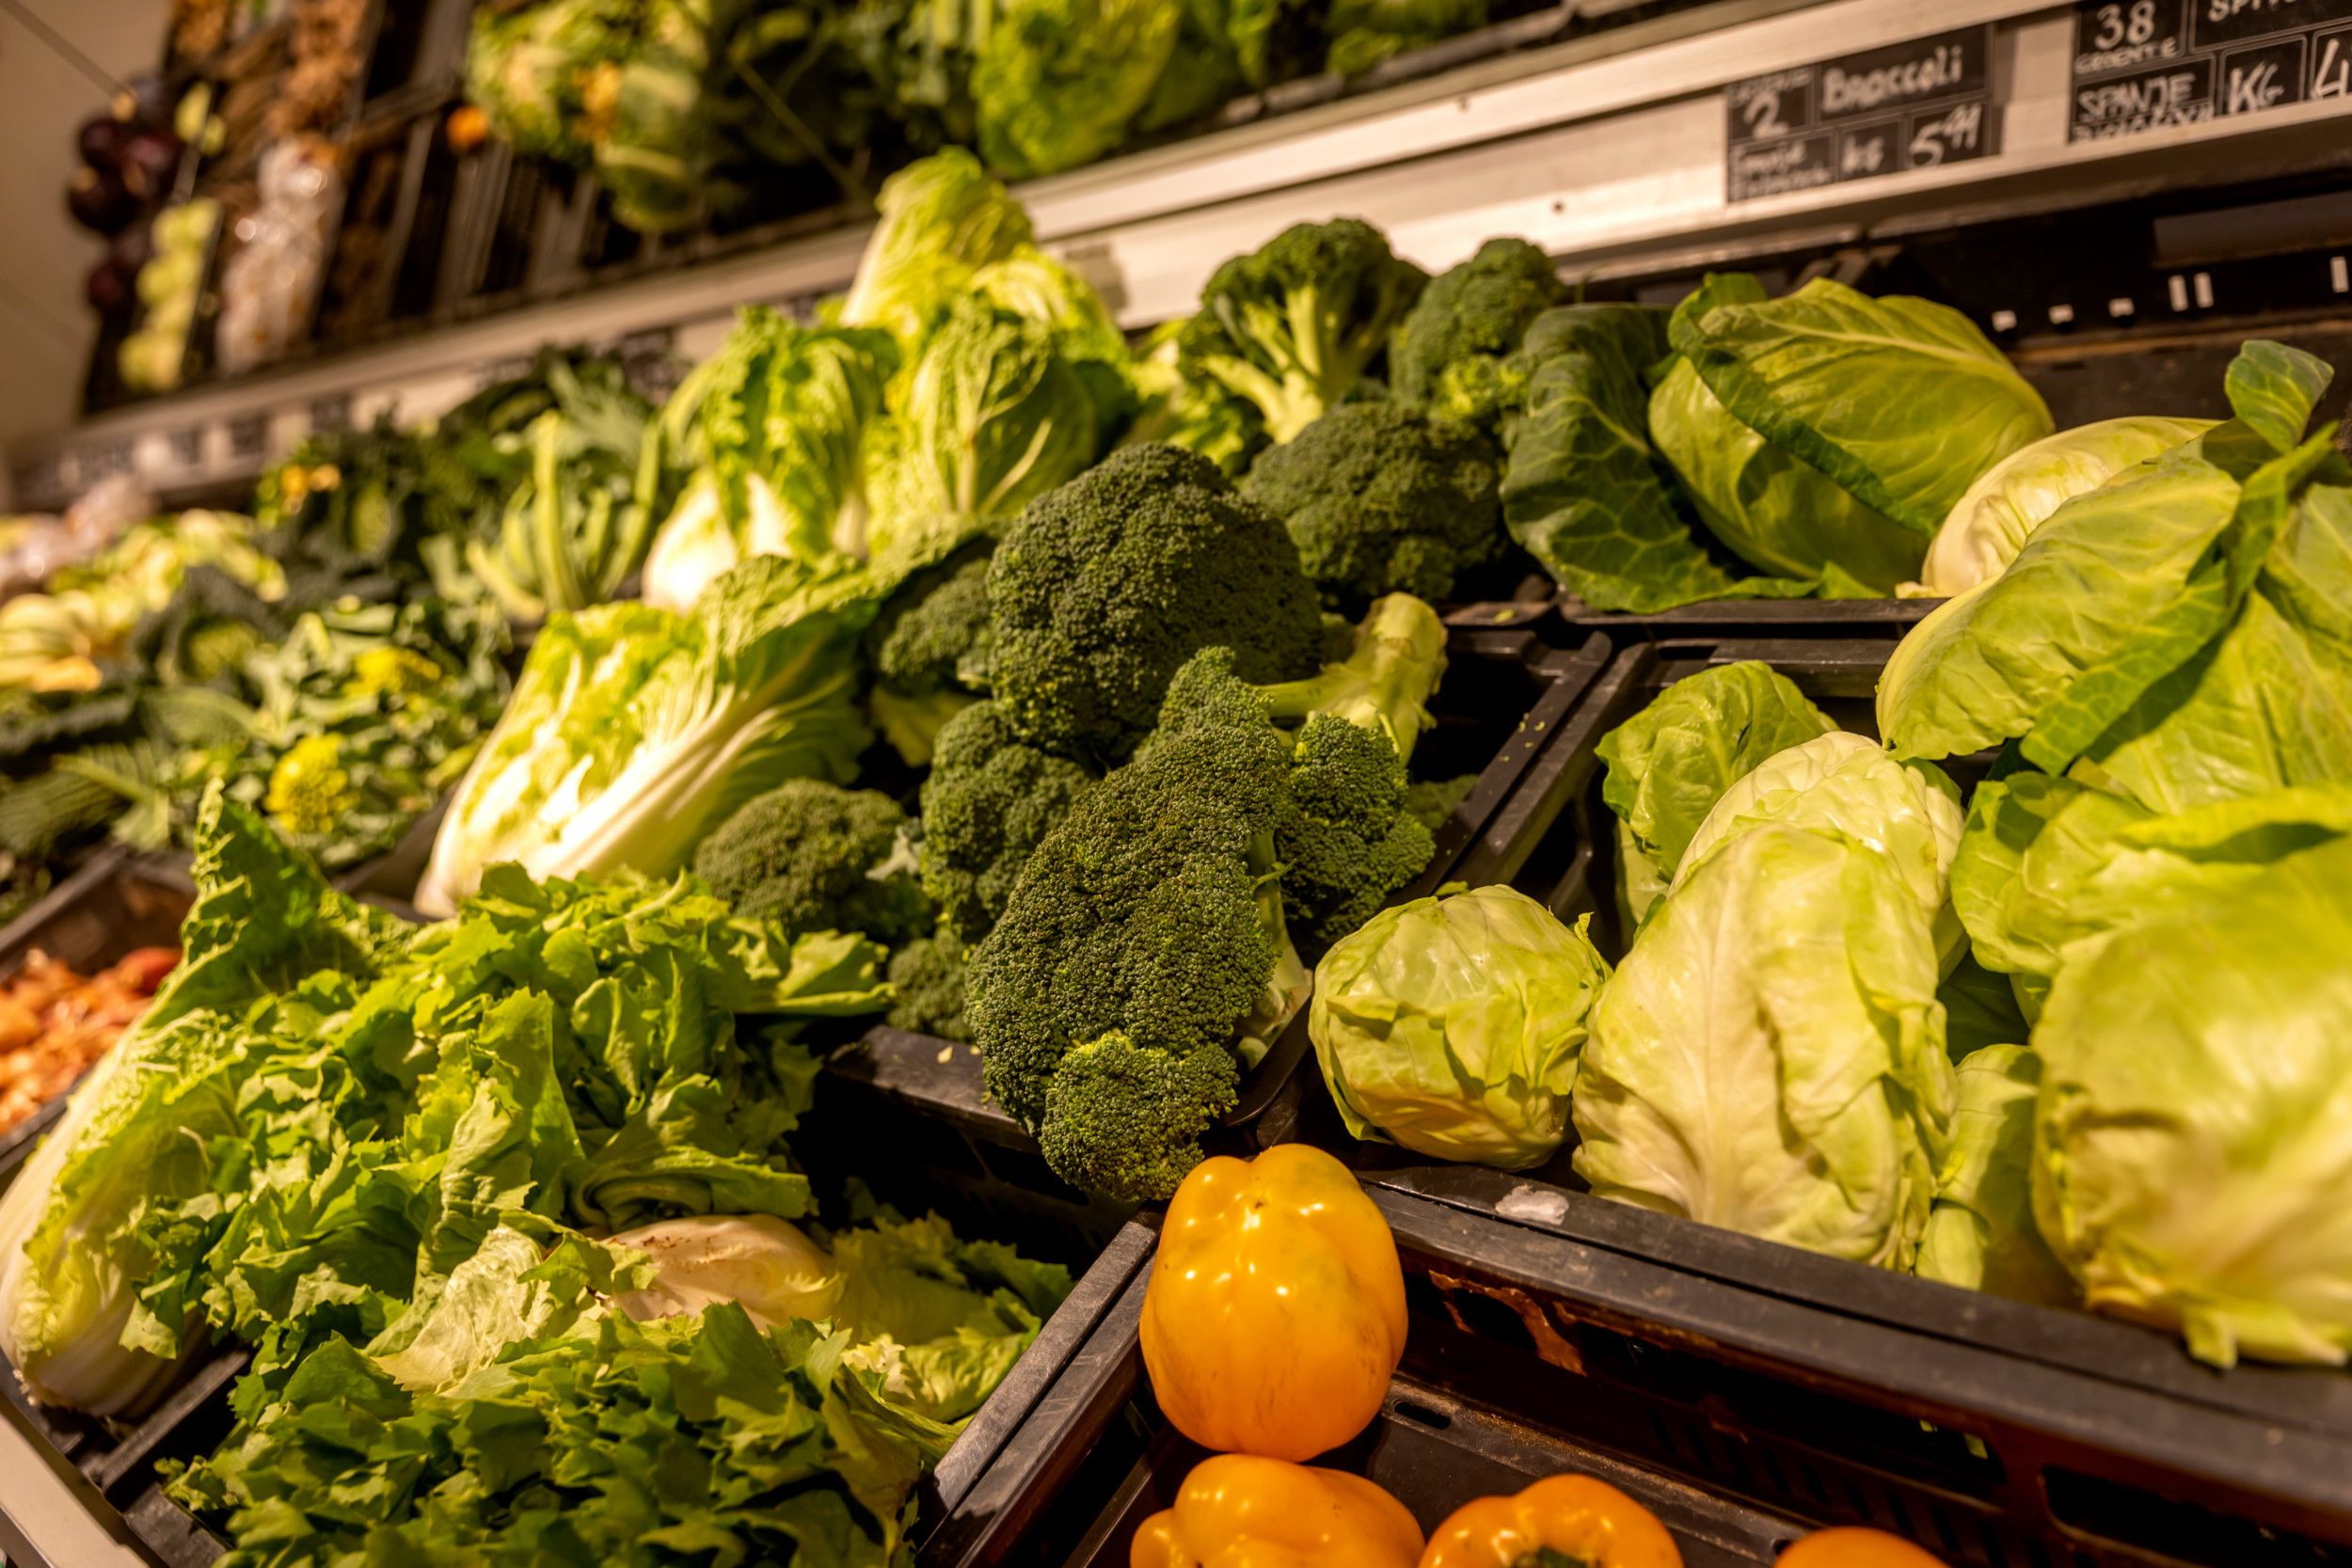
column 1826, row 434
column 1985, row 530
column 2193, row 1144
column 1453, row 1025
column 1769, row 1055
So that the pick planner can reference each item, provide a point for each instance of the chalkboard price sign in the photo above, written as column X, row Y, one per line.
column 1908, row 105
column 2147, row 65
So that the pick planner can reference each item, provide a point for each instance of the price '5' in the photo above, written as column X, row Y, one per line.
column 1957, row 133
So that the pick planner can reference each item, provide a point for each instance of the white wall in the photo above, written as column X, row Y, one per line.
column 45, row 328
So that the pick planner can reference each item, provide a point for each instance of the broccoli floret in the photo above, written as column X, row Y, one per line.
column 1382, row 500
column 928, row 652
column 1126, row 1119
column 815, row 857
column 1295, row 326
column 990, row 800
column 1104, row 586
column 1196, row 414
column 1450, row 358
column 1345, row 838
column 1434, row 801
column 1146, row 952
column 926, row 988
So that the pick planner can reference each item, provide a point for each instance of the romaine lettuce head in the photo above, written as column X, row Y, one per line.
column 632, row 729
column 1769, row 1055
column 1668, row 765
column 1988, row 525
column 1453, row 1025
column 1825, row 435
column 1844, row 783
column 2193, row 1144
column 93, row 1315
column 940, row 219
column 1981, row 1233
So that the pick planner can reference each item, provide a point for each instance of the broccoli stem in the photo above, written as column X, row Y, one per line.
column 1398, row 657
column 1287, row 983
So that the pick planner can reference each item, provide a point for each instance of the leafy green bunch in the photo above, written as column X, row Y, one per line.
column 344, row 734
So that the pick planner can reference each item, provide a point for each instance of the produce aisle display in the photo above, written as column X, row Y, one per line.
column 1167, row 786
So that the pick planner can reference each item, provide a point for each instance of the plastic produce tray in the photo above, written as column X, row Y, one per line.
column 900, row 1140
column 2042, row 1435
column 1751, row 617
column 1507, row 688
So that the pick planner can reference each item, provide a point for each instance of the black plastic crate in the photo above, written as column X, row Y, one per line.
column 1520, row 1362
column 2058, row 1437
column 1507, row 690
column 1752, row 617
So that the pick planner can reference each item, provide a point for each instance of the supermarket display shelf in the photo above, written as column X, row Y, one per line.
column 1609, row 150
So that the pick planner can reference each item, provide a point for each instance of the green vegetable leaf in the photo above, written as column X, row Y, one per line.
column 1981, row 1234
column 1585, row 492
column 1769, row 1055
column 1900, row 402
column 1668, row 765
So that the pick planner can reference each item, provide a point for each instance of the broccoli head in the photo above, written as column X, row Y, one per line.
column 926, row 988
column 1151, row 913
column 1146, row 952
column 1381, row 500
column 815, row 857
column 929, row 651
column 1296, row 325
column 1104, row 586
column 990, row 800
column 1450, row 357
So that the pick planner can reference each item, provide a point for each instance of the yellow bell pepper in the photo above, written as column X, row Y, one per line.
column 1276, row 1313
column 1581, row 1519
column 1237, row 1510
column 1852, row 1547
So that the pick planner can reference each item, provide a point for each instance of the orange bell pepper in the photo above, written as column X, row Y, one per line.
column 1276, row 1313
column 1237, row 1510
column 1851, row 1546
column 1581, row 1519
